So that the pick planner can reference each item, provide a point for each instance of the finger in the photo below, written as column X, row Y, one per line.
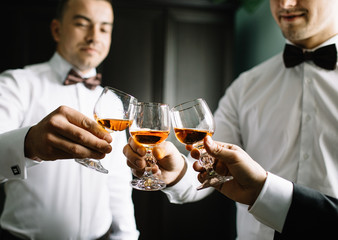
column 163, row 150
column 221, row 168
column 55, row 147
column 202, row 177
column 81, row 137
column 69, row 149
column 156, row 170
column 84, row 122
column 222, row 151
column 168, row 157
column 137, row 173
column 195, row 153
column 189, row 147
column 135, row 166
column 197, row 167
column 160, row 152
column 136, row 147
column 134, row 160
column 57, row 122
column 52, row 154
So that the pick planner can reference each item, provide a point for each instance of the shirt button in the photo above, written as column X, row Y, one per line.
column 308, row 80
column 307, row 118
column 305, row 156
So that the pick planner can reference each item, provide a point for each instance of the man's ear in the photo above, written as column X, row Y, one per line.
column 55, row 29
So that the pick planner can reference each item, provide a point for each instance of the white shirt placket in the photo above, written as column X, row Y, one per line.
column 307, row 126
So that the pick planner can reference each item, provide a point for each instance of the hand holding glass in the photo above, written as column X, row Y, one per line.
column 192, row 122
column 150, row 127
column 114, row 111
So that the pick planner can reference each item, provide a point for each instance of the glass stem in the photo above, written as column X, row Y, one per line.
column 150, row 161
column 207, row 162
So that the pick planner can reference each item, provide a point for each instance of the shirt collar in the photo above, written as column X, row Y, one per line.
column 62, row 67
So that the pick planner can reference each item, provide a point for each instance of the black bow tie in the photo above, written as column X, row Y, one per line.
column 91, row 83
column 324, row 57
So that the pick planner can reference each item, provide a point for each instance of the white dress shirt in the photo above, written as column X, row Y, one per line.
column 58, row 199
column 287, row 120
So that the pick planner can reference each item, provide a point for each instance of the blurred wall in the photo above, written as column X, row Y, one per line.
column 257, row 37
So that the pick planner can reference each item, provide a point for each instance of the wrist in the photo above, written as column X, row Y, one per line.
column 258, row 188
column 28, row 147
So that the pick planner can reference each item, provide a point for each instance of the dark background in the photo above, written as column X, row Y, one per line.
column 160, row 48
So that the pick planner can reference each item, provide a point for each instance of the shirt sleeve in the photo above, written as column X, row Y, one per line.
column 13, row 102
column 273, row 203
column 226, row 116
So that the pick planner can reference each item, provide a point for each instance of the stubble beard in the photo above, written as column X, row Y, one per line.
column 296, row 32
column 294, row 35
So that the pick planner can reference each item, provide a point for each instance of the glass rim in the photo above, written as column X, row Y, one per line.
column 119, row 91
column 196, row 100
column 152, row 103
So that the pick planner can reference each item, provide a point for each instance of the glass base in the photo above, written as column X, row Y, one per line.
column 148, row 184
column 92, row 164
column 214, row 181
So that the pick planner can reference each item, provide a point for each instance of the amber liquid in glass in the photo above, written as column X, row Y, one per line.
column 149, row 137
column 191, row 136
column 114, row 124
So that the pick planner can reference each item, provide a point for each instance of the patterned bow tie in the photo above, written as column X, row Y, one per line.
column 91, row 83
column 324, row 57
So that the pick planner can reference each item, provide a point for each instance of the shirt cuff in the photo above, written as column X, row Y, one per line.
column 14, row 163
column 273, row 202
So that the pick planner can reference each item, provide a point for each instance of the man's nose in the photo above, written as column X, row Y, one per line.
column 287, row 3
column 93, row 34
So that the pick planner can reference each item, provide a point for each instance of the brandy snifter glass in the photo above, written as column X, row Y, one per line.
column 192, row 122
column 114, row 111
column 150, row 128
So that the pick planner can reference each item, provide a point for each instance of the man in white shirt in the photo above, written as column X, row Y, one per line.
column 42, row 120
column 283, row 114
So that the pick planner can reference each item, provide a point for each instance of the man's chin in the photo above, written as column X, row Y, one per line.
column 87, row 65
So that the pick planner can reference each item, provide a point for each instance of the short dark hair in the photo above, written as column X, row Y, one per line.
column 61, row 7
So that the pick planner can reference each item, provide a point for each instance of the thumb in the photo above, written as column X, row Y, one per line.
column 221, row 151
